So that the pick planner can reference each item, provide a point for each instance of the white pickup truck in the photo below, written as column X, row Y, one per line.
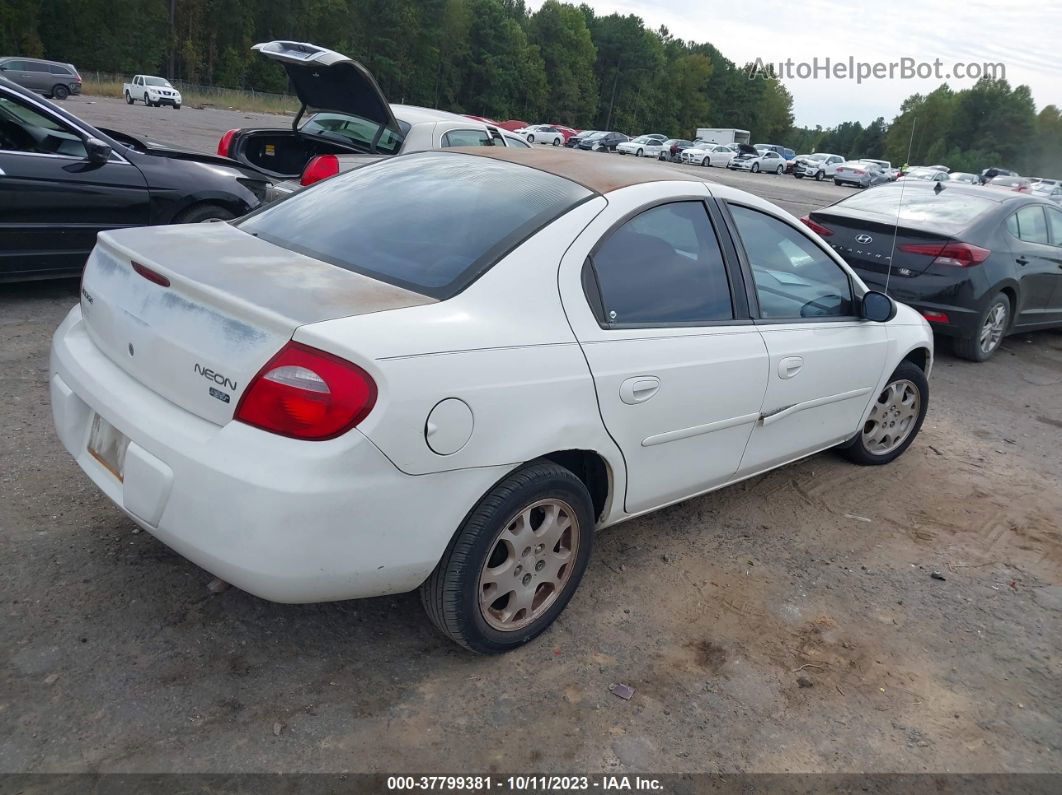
column 152, row 91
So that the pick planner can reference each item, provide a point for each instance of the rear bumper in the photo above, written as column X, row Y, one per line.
column 931, row 294
column 288, row 521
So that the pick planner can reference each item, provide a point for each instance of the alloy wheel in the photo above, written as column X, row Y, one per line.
column 992, row 331
column 529, row 565
column 892, row 417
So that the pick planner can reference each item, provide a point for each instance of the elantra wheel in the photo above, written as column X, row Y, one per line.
column 895, row 418
column 991, row 328
column 516, row 561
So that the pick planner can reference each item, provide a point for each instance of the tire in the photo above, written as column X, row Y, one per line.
column 531, row 138
column 59, row 91
column 147, row 102
column 453, row 596
column 819, row 175
column 899, row 409
column 998, row 313
column 780, row 170
column 203, row 212
column 755, row 168
column 707, row 162
column 798, row 176
column 128, row 99
column 177, row 106
column 837, row 182
column 640, row 153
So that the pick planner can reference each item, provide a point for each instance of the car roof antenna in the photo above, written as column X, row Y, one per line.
column 899, row 208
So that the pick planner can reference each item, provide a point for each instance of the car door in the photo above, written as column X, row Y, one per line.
column 16, row 72
column 1037, row 264
column 1054, row 225
column 677, row 363
column 53, row 201
column 824, row 360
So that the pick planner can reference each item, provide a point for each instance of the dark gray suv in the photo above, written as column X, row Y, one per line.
column 51, row 78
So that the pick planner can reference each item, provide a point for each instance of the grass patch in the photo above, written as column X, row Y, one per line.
column 203, row 96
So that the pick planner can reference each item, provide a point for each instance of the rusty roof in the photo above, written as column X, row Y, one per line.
column 597, row 172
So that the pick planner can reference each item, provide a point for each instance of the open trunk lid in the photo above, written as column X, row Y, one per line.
column 227, row 302
column 330, row 81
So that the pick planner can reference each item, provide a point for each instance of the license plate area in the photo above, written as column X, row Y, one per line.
column 108, row 445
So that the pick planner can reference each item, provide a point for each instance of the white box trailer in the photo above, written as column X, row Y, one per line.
column 723, row 135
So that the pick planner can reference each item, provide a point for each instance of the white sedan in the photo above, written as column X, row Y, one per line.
column 541, row 134
column 323, row 400
column 759, row 160
column 718, row 155
column 643, row 145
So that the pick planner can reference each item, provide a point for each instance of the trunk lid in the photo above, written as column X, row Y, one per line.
column 231, row 303
column 329, row 81
column 866, row 244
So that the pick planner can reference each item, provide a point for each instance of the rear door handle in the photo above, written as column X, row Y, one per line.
column 1022, row 261
column 790, row 366
column 639, row 389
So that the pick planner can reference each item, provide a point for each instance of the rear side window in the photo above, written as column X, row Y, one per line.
column 1028, row 224
column 59, row 70
column 430, row 222
column 663, row 267
column 794, row 277
column 467, row 138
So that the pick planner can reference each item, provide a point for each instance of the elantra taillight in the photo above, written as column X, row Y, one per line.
column 307, row 394
column 957, row 255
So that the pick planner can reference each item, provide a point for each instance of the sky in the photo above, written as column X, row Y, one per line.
column 1024, row 35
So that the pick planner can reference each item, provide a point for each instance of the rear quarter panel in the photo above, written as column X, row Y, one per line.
column 503, row 346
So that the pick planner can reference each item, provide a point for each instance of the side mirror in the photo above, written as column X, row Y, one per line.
column 878, row 307
column 98, row 152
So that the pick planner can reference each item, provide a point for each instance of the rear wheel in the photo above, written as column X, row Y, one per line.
column 515, row 562
column 837, row 182
column 204, row 212
column 895, row 418
column 59, row 91
column 992, row 326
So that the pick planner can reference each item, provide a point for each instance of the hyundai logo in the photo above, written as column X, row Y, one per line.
column 864, row 239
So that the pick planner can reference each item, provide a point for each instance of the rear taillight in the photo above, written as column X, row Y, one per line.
column 818, row 229
column 957, row 255
column 321, row 167
column 226, row 143
column 308, row 394
column 151, row 275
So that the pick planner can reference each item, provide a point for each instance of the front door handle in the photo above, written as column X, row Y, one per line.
column 639, row 389
column 790, row 366
column 1022, row 261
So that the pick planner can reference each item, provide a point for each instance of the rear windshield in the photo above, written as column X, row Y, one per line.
column 950, row 210
column 356, row 130
column 431, row 222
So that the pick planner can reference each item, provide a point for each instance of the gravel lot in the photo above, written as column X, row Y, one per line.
column 789, row 623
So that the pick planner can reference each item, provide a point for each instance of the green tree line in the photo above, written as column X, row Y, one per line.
column 562, row 63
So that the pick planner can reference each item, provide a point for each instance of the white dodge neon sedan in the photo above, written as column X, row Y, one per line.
column 446, row 370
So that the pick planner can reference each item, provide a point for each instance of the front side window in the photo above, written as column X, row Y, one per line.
column 467, row 138
column 663, row 267
column 431, row 222
column 794, row 277
column 25, row 130
column 1054, row 220
column 1029, row 224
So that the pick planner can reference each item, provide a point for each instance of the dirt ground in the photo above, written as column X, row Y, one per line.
column 790, row 623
